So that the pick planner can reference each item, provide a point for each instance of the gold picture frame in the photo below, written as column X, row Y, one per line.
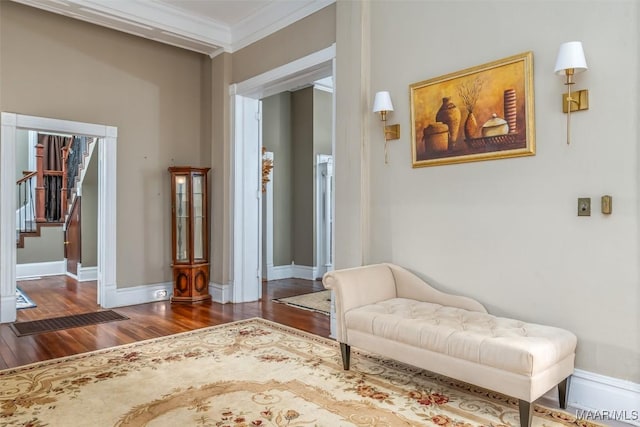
column 481, row 113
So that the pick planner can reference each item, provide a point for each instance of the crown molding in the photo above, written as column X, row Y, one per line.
column 177, row 27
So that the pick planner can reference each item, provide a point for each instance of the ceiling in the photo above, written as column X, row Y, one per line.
column 206, row 26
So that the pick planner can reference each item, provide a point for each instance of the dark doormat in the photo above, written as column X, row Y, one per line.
column 64, row 322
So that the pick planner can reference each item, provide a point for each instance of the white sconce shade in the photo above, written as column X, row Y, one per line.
column 571, row 55
column 382, row 105
column 382, row 102
column 569, row 62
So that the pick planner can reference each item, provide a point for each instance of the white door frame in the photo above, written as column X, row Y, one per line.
column 107, row 143
column 323, row 214
column 245, row 261
column 267, row 221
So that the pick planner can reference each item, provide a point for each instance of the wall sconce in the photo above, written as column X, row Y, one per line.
column 382, row 104
column 571, row 61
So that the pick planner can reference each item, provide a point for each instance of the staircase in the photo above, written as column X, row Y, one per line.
column 34, row 209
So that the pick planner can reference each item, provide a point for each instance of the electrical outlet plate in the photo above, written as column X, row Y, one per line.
column 584, row 206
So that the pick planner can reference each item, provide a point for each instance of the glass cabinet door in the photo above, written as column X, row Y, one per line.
column 182, row 218
column 198, row 216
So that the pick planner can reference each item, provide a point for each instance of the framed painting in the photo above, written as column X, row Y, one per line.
column 481, row 113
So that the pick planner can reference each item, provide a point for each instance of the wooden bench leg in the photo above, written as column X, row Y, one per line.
column 526, row 413
column 563, row 388
column 345, row 350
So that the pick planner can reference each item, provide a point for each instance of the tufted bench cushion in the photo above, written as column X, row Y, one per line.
column 502, row 343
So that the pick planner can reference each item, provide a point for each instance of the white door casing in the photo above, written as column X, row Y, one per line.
column 323, row 213
column 267, row 221
column 246, row 199
column 107, row 143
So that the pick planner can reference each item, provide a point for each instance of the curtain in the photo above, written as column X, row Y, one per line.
column 52, row 161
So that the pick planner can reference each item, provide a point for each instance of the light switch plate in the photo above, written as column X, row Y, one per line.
column 584, row 206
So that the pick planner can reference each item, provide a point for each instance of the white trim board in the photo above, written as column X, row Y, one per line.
column 185, row 28
column 139, row 295
column 595, row 392
column 294, row 271
column 34, row 269
column 593, row 396
column 86, row 274
column 221, row 293
column 312, row 67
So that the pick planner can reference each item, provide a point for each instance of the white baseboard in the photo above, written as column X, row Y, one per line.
column 294, row 271
column 53, row 268
column 86, row 274
column 160, row 292
column 138, row 295
column 599, row 396
column 221, row 293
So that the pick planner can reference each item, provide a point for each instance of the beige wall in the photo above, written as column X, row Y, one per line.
column 63, row 68
column 322, row 122
column 220, row 174
column 504, row 231
column 276, row 137
column 89, row 215
column 22, row 152
column 46, row 248
column 308, row 35
column 302, row 175
column 22, row 163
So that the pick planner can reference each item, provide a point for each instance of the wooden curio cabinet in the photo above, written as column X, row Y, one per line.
column 190, row 234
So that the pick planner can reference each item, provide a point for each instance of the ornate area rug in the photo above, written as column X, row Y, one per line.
column 315, row 301
column 248, row 373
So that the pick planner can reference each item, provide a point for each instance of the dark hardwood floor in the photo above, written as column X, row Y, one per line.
column 61, row 296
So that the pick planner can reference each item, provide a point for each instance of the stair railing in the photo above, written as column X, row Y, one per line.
column 67, row 171
column 72, row 157
column 25, row 214
column 40, row 183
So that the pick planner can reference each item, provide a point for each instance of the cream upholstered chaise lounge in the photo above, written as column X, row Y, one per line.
column 387, row 310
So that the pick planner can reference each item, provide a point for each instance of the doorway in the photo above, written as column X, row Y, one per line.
column 106, row 233
column 246, row 163
column 67, row 170
column 297, row 129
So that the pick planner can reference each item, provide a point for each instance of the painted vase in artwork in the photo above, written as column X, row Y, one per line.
column 470, row 126
column 450, row 115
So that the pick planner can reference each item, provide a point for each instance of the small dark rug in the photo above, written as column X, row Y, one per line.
column 64, row 322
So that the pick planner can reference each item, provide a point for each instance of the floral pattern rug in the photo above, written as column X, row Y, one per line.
column 247, row 373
